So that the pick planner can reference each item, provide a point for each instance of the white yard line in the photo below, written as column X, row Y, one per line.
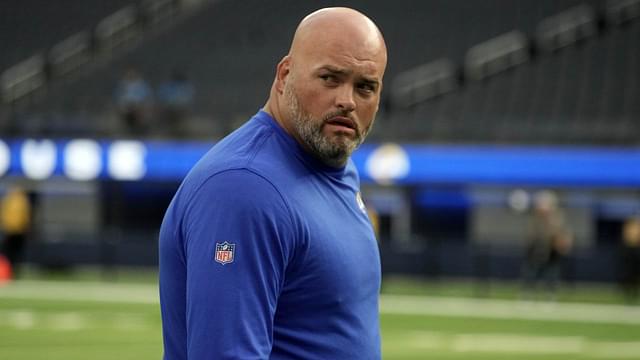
column 81, row 291
column 501, row 343
column 67, row 321
column 506, row 309
column 20, row 319
column 510, row 343
column 25, row 319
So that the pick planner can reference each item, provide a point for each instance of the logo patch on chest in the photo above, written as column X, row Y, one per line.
column 225, row 253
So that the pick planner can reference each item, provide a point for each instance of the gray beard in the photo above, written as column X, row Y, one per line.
column 333, row 153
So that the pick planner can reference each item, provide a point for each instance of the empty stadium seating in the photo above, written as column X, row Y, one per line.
column 564, row 86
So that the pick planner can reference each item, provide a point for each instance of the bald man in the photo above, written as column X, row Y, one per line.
column 266, row 251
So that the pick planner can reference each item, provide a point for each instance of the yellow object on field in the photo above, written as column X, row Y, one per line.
column 15, row 212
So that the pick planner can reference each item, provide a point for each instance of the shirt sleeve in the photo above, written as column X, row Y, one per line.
column 231, row 303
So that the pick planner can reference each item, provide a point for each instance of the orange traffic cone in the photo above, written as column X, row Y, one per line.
column 5, row 270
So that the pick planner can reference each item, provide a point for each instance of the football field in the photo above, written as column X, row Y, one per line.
column 82, row 319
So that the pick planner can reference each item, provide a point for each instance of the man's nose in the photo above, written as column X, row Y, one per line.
column 344, row 98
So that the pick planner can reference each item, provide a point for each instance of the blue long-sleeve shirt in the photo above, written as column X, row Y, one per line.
column 266, row 253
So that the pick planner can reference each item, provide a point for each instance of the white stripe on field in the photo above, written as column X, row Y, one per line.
column 23, row 319
column 389, row 304
column 67, row 321
column 509, row 309
column 81, row 291
column 495, row 343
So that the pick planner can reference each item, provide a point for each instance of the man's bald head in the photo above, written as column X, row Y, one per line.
column 336, row 26
column 327, row 88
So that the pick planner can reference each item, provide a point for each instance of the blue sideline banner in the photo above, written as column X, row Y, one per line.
column 131, row 160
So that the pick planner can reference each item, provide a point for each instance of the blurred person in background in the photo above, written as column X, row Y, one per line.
column 175, row 97
column 133, row 98
column 550, row 242
column 15, row 218
column 266, row 250
column 631, row 258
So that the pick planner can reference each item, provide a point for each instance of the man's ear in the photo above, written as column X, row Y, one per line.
column 282, row 72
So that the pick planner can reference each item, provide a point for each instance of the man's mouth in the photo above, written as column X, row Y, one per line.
column 342, row 124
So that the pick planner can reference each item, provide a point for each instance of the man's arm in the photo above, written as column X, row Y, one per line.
column 238, row 239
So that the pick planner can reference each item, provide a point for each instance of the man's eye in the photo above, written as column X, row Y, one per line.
column 368, row 88
column 329, row 78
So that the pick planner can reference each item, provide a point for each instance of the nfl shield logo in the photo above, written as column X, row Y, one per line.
column 225, row 252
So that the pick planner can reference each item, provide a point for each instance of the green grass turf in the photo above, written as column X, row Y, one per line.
column 34, row 325
column 435, row 337
column 46, row 329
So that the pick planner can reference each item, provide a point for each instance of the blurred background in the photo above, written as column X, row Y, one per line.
column 504, row 161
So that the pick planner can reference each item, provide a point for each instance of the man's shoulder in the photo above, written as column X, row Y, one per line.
column 256, row 147
column 241, row 186
column 236, row 150
column 243, row 156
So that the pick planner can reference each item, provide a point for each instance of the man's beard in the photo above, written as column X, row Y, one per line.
column 333, row 152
